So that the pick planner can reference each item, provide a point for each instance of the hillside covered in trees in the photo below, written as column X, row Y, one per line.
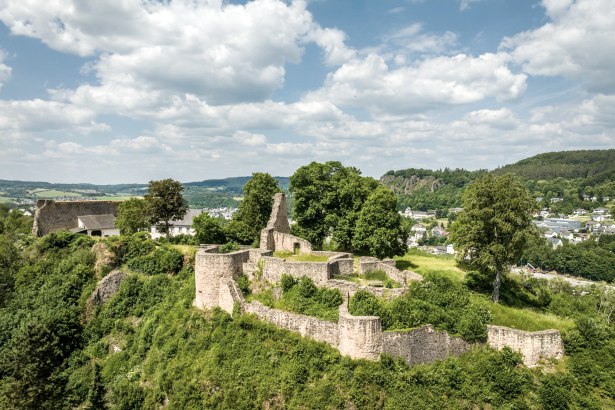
column 573, row 176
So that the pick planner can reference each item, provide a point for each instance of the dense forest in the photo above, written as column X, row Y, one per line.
column 147, row 347
column 573, row 176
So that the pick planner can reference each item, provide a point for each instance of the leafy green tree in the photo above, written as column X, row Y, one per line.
column 133, row 216
column 495, row 225
column 379, row 229
column 327, row 199
column 166, row 203
column 208, row 229
column 255, row 208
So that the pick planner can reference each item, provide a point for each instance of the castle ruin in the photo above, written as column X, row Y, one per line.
column 359, row 337
column 51, row 216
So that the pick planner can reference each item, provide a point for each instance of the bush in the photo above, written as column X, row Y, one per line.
column 472, row 326
column 244, row 284
column 161, row 260
column 229, row 247
column 307, row 289
column 287, row 282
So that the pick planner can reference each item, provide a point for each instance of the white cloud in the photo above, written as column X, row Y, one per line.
column 412, row 39
column 576, row 43
column 5, row 70
column 465, row 4
column 222, row 52
column 438, row 81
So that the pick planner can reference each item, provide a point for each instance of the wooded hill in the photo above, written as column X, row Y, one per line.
column 568, row 175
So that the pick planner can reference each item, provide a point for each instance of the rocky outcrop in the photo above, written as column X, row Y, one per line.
column 107, row 287
column 104, row 256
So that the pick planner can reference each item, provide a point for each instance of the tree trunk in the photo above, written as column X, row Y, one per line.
column 496, row 287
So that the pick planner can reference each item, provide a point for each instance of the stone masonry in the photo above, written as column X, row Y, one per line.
column 276, row 235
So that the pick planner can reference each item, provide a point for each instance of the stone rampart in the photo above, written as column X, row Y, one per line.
column 533, row 345
column 423, row 345
column 308, row 326
column 53, row 216
column 341, row 266
column 360, row 337
column 210, row 268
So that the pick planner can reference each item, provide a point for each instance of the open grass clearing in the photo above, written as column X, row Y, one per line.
column 522, row 319
column 424, row 263
column 5, row 199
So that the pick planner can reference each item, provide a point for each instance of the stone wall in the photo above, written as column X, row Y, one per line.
column 350, row 288
column 278, row 220
column 210, row 268
column 274, row 268
column 341, row 266
column 370, row 264
column 360, row 337
column 423, row 345
column 533, row 345
column 53, row 216
column 307, row 326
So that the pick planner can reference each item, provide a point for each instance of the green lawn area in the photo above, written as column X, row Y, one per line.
column 302, row 257
column 424, row 263
column 523, row 319
column 52, row 193
column 5, row 199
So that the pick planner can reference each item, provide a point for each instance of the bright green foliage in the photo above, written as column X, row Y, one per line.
column 229, row 247
column 133, row 216
column 437, row 301
column 379, row 231
column 173, row 356
column 255, row 208
column 208, row 229
column 302, row 296
column 162, row 260
column 165, row 203
column 127, row 247
column 495, row 225
column 327, row 199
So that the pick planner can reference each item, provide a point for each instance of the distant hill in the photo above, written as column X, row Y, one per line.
column 568, row 175
column 594, row 165
column 232, row 185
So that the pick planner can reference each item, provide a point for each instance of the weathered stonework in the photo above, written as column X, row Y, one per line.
column 360, row 337
column 53, row 216
column 348, row 289
column 534, row 346
column 276, row 235
column 210, row 268
column 369, row 264
column 274, row 268
column 423, row 345
column 107, row 287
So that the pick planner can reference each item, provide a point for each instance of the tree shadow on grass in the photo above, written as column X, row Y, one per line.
column 404, row 264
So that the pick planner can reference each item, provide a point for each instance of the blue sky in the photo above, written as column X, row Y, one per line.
column 134, row 90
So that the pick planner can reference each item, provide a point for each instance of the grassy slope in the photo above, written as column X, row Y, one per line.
column 524, row 319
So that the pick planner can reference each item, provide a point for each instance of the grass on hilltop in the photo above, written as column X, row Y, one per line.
column 424, row 263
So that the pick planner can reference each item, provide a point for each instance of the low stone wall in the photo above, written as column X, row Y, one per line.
column 370, row 264
column 341, row 266
column 423, row 345
column 274, row 268
column 350, row 288
column 307, row 326
column 533, row 345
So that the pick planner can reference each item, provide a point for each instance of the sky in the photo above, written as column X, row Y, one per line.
column 126, row 91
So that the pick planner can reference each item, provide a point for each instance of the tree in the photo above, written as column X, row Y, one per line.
column 327, row 199
column 208, row 229
column 379, row 229
column 495, row 225
column 166, row 203
column 255, row 208
column 133, row 216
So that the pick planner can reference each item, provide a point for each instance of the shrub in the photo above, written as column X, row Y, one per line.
column 307, row 289
column 472, row 326
column 287, row 282
column 329, row 297
column 244, row 284
column 229, row 247
column 161, row 260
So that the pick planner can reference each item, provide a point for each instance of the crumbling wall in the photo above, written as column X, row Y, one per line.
column 360, row 337
column 370, row 264
column 308, row 326
column 348, row 288
column 533, row 345
column 274, row 268
column 341, row 266
column 210, row 268
column 53, row 216
column 423, row 345
column 278, row 220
